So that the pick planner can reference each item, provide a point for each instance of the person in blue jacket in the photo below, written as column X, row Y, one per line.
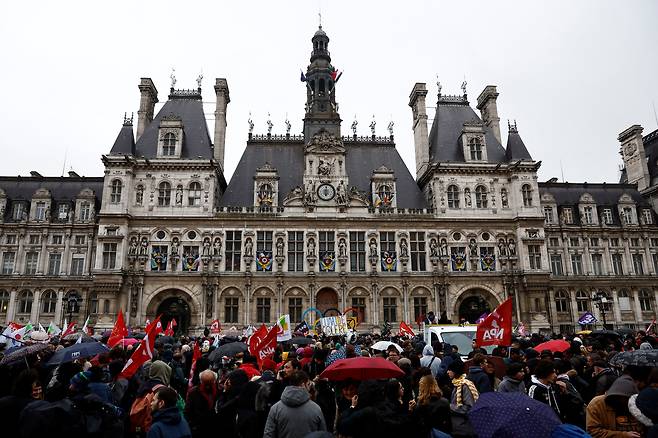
column 167, row 420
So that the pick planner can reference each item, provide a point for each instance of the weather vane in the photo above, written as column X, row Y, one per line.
column 173, row 77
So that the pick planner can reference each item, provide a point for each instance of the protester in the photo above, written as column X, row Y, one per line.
column 200, row 405
column 608, row 415
column 543, row 385
column 513, row 380
column 167, row 419
column 430, row 410
column 432, row 358
column 464, row 396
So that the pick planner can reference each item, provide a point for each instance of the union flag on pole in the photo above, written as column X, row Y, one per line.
column 406, row 330
column 69, row 330
column 215, row 327
column 265, row 348
column 118, row 332
column 496, row 329
column 170, row 327
column 255, row 339
column 144, row 351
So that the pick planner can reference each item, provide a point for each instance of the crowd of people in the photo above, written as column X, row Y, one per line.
column 285, row 396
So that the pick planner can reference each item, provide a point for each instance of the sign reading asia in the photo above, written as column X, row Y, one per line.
column 334, row 325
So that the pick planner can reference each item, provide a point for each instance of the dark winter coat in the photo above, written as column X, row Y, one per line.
column 511, row 385
column 168, row 423
column 480, row 379
column 434, row 415
column 200, row 412
column 294, row 416
column 544, row 394
column 379, row 421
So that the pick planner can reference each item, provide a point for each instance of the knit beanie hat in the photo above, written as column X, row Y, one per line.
column 267, row 364
column 457, row 367
column 80, row 381
column 644, row 406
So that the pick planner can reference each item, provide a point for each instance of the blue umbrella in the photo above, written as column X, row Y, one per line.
column 512, row 415
column 77, row 351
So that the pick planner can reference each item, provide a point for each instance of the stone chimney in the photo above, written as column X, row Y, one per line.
column 419, row 126
column 221, row 92
column 147, row 100
column 489, row 110
column 635, row 161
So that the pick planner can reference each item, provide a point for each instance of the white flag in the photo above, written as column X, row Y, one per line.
column 84, row 327
column 283, row 328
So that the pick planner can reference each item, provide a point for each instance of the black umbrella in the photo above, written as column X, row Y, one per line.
column 228, row 350
column 642, row 358
column 77, row 351
column 76, row 336
column 301, row 340
column 23, row 352
column 604, row 333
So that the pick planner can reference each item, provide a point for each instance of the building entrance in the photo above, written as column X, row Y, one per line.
column 326, row 301
column 175, row 307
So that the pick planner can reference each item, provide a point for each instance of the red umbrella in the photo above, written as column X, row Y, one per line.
column 362, row 368
column 554, row 345
column 129, row 341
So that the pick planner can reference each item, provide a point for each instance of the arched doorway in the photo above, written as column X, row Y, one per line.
column 474, row 303
column 326, row 299
column 175, row 307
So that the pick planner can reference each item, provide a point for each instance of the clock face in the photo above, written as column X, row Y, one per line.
column 326, row 192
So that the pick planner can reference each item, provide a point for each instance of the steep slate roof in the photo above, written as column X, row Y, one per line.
column 125, row 142
column 651, row 151
column 19, row 188
column 444, row 137
column 516, row 149
column 196, row 140
column 288, row 158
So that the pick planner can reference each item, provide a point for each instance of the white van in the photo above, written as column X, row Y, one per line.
column 461, row 336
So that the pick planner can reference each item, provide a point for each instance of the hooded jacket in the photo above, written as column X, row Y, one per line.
column 430, row 361
column 544, row 394
column 480, row 378
column 294, row 416
column 511, row 385
column 168, row 423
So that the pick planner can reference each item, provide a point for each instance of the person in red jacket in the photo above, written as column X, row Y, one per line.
column 250, row 366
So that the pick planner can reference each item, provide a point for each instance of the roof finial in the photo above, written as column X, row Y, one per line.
column 354, row 124
column 128, row 121
column 372, row 125
column 287, row 122
column 269, row 124
column 251, row 124
column 511, row 127
column 390, row 127
column 438, row 86
column 173, row 77
column 320, row 17
column 464, row 86
column 199, row 79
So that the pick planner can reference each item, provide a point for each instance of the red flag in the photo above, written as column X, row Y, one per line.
column 69, row 330
column 265, row 348
column 406, row 330
column 196, row 354
column 118, row 332
column 255, row 339
column 144, row 351
column 170, row 327
column 496, row 329
column 215, row 327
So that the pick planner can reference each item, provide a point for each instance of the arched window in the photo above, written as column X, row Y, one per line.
column 72, row 302
column 265, row 194
column 25, row 299
column 194, row 195
column 169, row 144
column 526, row 191
column 475, row 148
column 385, row 195
column 48, row 302
column 582, row 301
column 453, row 197
column 164, row 194
column 93, row 303
column 4, row 301
column 115, row 191
column 481, row 197
column 139, row 195
column 646, row 304
column 562, row 301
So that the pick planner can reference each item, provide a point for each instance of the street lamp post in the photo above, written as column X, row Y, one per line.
column 72, row 306
column 601, row 299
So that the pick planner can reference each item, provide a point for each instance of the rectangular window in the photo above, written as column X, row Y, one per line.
column 233, row 250
column 326, row 259
column 627, row 215
column 40, row 212
column 614, row 242
column 654, row 257
column 574, row 241
column 635, row 242
column 109, row 255
column 191, row 258
column 11, row 239
column 420, row 308
column 589, row 215
column 295, row 309
column 618, row 264
column 159, row 255
column 638, row 264
column 594, row 241
column 19, row 212
column 553, row 241
column 264, row 250
column 8, row 259
column 62, row 211
column 263, row 309
column 556, row 264
column 31, row 262
column 647, row 216
column 606, row 216
column 80, row 239
column 57, row 239
column 534, row 256
column 231, row 309
column 358, row 251
column 548, row 215
column 653, row 241
column 567, row 214
column 390, row 309
column 54, row 263
column 359, row 305
column 418, row 255
column 77, row 265
column 295, row 251
column 85, row 211
column 577, row 264
column 597, row 264
column 34, row 239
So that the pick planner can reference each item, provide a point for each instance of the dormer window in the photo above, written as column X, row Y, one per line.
column 607, row 216
column 385, row 195
column 475, row 148
column 647, row 216
column 164, row 194
column 548, row 214
column 627, row 215
column 588, row 215
column 481, row 197
column 169, row 145
column 567, row 215
column 62, row 211
column 85, row 211
column 453, row 196
column 115, row 191
column 40, row 212
column 18, row 211
column 526, row 192
column 194, row 194
column 265, row 195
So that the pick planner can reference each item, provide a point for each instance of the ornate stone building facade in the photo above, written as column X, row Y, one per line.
column 327, row 222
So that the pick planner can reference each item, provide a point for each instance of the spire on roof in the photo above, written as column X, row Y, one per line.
column 125, row 142
column 516, row 149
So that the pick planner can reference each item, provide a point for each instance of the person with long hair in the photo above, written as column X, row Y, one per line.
column 430, row 410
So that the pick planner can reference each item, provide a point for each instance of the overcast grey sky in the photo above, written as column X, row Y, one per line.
column 572, row 73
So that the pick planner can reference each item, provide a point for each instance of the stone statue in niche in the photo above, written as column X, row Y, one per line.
column 444, row 247
column 341, row 194
column 373, row 248
column 143, row 249
column 217, row 247
column 248, row 247
column 511, row 247
column 473, row 248
column 467, row 197
column 139, row 195
column 342, row 248
column 179, row 195
column 501, row 247
column 503, row 198
column 324, row 167
column 434, row 248
column 133, row 246
column 174, row 246
column 404, row 248
column 279, row 247
column 311, row 247
column 206, row 247
column 309, row 192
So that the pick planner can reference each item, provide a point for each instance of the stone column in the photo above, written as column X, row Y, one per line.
column 36, row 302
column 19, row 265
column 88, row 259
column 140, row 302
column 42, row 266
column 58, row 306
column 11, row 310
column 574, row 306
column 405, row 298
column 553, row 314
column 615, row 306
column 647, row 256
column 637, row 309
column 66, row 256
column 627, row 257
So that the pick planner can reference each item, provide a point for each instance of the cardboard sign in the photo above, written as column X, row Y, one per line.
column 334, row 325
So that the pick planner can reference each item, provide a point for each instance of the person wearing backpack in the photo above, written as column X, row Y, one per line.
column 431, row 358
column 140, row 411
